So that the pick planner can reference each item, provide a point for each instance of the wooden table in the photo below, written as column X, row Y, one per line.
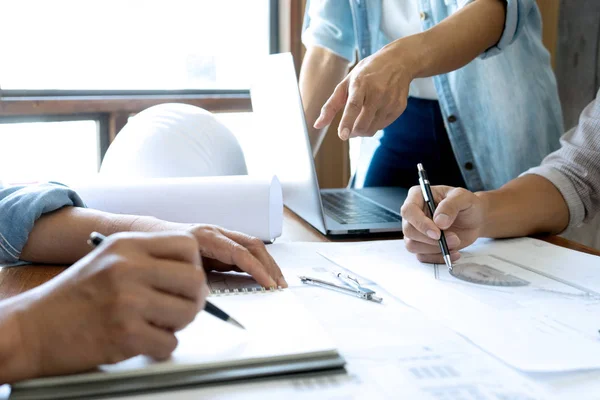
column 15, row 280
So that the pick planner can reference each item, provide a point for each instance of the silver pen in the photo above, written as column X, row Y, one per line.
column 355, row 290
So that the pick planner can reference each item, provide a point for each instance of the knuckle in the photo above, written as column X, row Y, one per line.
column 410, row 245
column 238, row 249
column 116, row 356
column 354, row 105
column 199, row 278
column 423, row 258
column 163, row 350
column 116, row 272
column 371, row 108
column 421, row 226
column 125, row 305
column 460, row 191
column 189, row 243
column 405, row 210
column 126, row 335
column 414, row 191
column 189, row 315
column 117, row 243
column 169, row 347
column 405, row 227
column 357, row 81
column 256, row 243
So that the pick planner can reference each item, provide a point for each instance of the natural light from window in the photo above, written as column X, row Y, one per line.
column 131, row 45
column 48, row 151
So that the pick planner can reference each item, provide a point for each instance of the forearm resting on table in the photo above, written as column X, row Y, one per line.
column 527, row 205
column 60, row 237
column 455, row 41
column 321, row 72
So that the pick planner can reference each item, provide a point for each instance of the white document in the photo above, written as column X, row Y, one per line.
column 392, row 351
column 536, row 306
column 251, row 205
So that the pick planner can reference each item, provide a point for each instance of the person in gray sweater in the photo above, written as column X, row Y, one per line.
column 563, row 192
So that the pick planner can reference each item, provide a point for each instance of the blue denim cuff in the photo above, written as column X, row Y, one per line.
column 329, row 25
column 20, row 208
column 510, row 31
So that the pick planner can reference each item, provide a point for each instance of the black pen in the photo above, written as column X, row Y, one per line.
column 428, row 197
column 97, row 238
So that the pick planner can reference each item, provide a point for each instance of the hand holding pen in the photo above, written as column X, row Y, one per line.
column 96, row 239
column 457, row 213
column 430, row 201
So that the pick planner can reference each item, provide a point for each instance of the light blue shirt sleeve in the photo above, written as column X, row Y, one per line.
column 329, row 24
column 21, row 206
column 516, row 17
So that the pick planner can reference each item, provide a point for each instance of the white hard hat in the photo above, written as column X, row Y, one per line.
column 173, row 140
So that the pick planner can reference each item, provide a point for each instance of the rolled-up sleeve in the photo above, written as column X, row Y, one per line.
column 575, row 168
column 21, row 206
column 517, row 12
column 329, row 24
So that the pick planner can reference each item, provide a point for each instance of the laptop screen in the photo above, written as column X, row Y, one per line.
column 279, row 114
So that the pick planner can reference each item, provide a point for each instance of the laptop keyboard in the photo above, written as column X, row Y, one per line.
column 349, row 208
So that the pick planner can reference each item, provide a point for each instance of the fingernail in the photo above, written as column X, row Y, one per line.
column 318, row 122
column 345, row 133
column 281, row 282
column 442, row 220
column 432, row 234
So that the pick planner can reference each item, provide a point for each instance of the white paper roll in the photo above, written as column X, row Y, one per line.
column 251, row 205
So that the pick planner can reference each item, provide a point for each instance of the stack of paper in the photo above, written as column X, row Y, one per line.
column 529, row 303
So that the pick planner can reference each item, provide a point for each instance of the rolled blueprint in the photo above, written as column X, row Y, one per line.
column 251, row 205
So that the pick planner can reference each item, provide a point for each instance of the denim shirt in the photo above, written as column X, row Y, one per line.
column 501, row 111
column 21, row 206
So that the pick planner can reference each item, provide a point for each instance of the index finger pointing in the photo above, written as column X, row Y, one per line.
column 333, row 105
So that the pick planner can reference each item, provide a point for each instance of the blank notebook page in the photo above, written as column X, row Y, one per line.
column 278, row 328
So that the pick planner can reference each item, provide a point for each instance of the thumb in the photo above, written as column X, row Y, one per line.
column 457, row 200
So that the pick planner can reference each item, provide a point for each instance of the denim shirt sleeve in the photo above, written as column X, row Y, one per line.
column 329, row 24
column 21, row 206
column 516, row 16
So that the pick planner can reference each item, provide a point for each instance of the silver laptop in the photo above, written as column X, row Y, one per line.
column 279, row 114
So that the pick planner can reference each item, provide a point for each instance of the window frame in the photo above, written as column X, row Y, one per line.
column 101, row 120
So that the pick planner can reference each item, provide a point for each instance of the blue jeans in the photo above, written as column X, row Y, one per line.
column 417, row 136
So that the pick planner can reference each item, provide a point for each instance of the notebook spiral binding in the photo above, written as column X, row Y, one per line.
column 234, row 292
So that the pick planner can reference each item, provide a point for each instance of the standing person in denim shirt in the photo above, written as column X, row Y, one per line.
column 465, row 87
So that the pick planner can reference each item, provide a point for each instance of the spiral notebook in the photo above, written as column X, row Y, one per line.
column 281, row 337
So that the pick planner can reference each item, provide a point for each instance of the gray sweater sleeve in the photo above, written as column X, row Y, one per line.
column 575, row 168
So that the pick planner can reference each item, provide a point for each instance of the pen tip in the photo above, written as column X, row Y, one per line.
column 235, row 323
column 448, row 262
